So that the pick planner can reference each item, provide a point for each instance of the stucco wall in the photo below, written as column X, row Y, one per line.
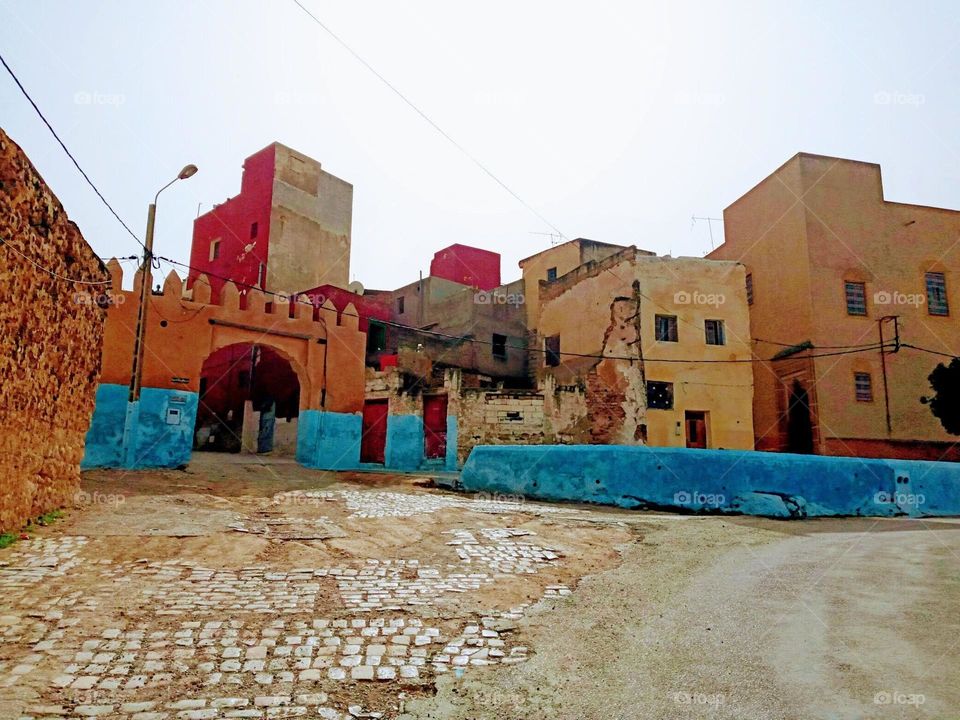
column 720, row 481
column 49, row 346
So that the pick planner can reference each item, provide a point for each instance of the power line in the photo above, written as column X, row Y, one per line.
column 422, row 114
column 67, row 151
column 8, row 246
column 928, row 350
column 466, row 338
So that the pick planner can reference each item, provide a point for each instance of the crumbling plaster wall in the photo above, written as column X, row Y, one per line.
column 50, row 344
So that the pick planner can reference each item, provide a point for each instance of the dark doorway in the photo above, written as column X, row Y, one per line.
column 373, row 442
column 799, row 425
column 696, row 428
column 435, row 426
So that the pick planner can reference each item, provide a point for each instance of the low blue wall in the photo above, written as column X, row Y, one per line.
column 450, row 462
column 724, row 481
column 404, row 450
column 329, row 440
column 155, row 432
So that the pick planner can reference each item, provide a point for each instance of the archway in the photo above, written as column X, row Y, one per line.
column 249, row 401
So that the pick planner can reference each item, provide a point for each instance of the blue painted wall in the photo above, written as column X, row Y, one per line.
column 452, row 434
column 404, row 450
column 329, row 440
column 140, row 435
column 104, row 443
column 727, row 481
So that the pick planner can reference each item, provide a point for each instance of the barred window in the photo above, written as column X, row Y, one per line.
column 856, row 298
column 666, row 328
column 749, row 289
column 937, row 294
column 659, row 395
column 714, row 331
column 863, row 385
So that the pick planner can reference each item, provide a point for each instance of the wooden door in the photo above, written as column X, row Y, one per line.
column 696, row 429
column 435, row 426
column 374, row 428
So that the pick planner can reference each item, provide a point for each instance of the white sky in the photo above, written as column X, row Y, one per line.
column 617, row 121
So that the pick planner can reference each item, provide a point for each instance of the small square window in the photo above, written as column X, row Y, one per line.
column 254, row 229
column 400, row 305
column 376, row 337
column 666, row 328
column 714, row 332
column 863, row 386
column 215, row 249
column 937, row 294
column 500, row 346
column 551, row 274
column 659, row 395
column 749, row 289
column 856, row 293
column 551, row 346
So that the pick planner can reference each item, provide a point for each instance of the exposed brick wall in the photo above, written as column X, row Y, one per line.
column 499, row 418
column 51, row 333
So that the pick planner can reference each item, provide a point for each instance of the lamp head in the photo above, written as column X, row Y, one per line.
column 187, row 172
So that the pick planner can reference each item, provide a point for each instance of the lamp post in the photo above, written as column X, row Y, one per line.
column 136, row 376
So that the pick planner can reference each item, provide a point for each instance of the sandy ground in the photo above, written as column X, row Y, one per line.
column 585, row 612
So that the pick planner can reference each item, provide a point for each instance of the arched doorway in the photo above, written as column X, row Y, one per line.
column 249, row 401
column 799, row 424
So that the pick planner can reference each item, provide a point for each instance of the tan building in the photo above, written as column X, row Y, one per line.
column 830, row 263
column 660, row 347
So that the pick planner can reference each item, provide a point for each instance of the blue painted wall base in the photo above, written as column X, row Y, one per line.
column 722, row 481
column 329, row 440
column 155, row 432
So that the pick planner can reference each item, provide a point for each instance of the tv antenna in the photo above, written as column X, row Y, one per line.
column 555, row 238
column 710, row 221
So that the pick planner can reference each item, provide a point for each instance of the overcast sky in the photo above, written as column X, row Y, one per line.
column 617, row 121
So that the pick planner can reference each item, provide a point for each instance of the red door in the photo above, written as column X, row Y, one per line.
column 696, row 429
column 374, row 438
column 435, row 426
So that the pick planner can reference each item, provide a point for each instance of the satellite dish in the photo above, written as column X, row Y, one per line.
column 356, row 287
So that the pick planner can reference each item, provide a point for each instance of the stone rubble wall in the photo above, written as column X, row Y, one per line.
column 51, row 332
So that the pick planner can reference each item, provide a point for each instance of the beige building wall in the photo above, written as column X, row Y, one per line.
column 844, row 230
column 593, row 312
column 311, row 217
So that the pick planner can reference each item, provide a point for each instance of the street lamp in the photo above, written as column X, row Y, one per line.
column 136, row 376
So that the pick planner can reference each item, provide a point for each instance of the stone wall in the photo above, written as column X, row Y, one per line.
column 50, row 344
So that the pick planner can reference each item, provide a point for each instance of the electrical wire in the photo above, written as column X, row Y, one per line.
column 928, row 350
column 8, row 246
column 466, row 338
column 423, row 115
column 69, row 154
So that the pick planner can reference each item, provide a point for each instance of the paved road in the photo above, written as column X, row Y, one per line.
column 842, row 619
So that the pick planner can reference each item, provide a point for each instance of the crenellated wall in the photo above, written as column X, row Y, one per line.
column 185, row 328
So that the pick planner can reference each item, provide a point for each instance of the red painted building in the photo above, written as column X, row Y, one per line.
column 367, row 306
column 468, row 266
column 288, row 229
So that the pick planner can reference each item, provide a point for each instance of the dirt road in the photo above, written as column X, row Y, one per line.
column 243, row 588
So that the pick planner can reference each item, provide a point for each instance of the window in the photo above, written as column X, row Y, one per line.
column 749, row 289
column 863, row 386
column 551, row 274
column 856, row 293
column 254, row 227
column 400, row 305
column 659, row 395
column 666, row 328
column 376, row 337
column 552, row 347
column 714, row 330
column 937, row 294
column 500, row 346
column 215, row 249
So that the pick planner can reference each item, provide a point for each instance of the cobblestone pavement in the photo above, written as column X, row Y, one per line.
column 89, row 631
